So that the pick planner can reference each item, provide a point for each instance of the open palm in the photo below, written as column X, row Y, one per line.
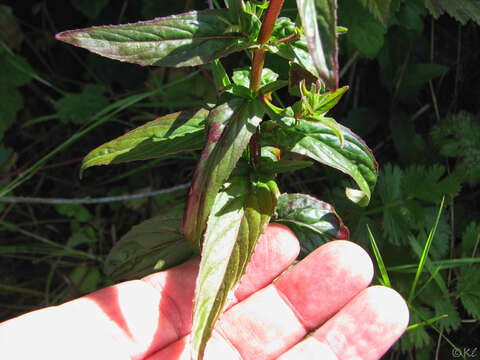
column 326, row 296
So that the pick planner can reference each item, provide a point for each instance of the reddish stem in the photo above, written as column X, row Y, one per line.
column 269, row 21
column 258, row 58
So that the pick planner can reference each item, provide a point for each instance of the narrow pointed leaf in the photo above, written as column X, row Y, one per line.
column 313, row 221
column 231, row 126
column 153, row 245
column 238, row 218
column 319, row 22
column 220, row 76
column 329, row 99
column 189, row 39
column 320, row 143
column 169, row 134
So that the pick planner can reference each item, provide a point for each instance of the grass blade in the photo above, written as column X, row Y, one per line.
column 378, row 257
column 426, row 249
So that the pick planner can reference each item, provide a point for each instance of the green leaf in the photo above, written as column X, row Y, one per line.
column 459, row 136
column 379, row 8
column 282, row 166
column 76, row 211
column 169, row 134
column 80, row 108
column 321, row 37
column 283, row 28
column 471, row 240
column 429, row 184
column 155, row 244
column 90, row 8
column 242, row 76
column 326, row 101
column 443, row 306
column 231, row 126
column 297, row 52
column 10, row 31
column 417, row 337
column 15, row 72
column 462, row 10
column 395, row 223
column 85, row 278
column 220, row 76
column 410, row 16
column 189, row 39
column 313, row 221
column 320, row 143
column 468, row 288
column 12, row 102
column 419, row 74
column 239, row 215
column 365, row 33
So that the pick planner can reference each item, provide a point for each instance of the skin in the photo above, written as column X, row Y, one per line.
column 326, row 295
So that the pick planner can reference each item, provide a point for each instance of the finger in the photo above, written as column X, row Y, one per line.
column 139, row 317
column 269, row 322
column 276, row 250
column 364, row 329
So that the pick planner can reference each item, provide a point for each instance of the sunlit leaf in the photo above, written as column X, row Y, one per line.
column 231, row 126
column 169, row 134
column 297, row 52
column 189, row 39
column 239, row 215
column 313, row 221
column 320, row 143
column 319, row 22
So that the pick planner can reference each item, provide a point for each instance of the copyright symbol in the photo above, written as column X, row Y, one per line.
column 456, row 353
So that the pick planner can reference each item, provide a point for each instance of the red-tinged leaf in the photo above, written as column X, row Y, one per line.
column 189, row 39
column 319, row 142
column 231, row 126
column 313, row 221
column 239, row 216
column 319, row 20
column 169, row 134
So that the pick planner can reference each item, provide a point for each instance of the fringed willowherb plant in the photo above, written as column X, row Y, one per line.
column 246, row 140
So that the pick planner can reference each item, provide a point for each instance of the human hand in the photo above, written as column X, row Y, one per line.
column 150, row 318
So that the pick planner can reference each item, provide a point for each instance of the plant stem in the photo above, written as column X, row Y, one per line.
column 265, row 32
column 269, row 21
column 258, row 58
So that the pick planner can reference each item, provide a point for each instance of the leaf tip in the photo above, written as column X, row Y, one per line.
column 357, row 196
column 67, row 36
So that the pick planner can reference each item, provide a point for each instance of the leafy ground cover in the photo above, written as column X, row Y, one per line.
column 413, row 85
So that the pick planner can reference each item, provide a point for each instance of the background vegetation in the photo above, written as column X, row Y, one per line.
column 414, row 89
